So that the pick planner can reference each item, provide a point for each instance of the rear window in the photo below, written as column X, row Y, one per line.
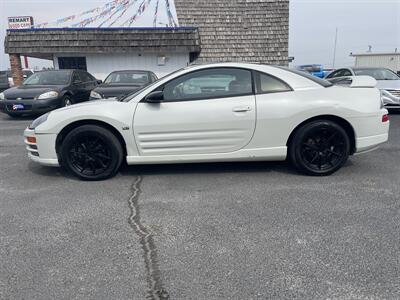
column 320, row 81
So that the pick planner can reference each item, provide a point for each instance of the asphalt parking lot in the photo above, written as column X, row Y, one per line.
column 211, row 231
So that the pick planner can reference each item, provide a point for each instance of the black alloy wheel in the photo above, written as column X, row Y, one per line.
column 320, row 148
column 91, row 152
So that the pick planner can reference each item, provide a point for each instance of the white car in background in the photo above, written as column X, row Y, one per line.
column 388, row 82
column 213, row 113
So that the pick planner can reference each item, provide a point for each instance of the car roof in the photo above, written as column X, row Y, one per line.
column 137, row 71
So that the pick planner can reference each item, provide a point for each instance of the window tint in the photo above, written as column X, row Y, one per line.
column 333, row 74
column 85, row 77
column 48, row 78
column 346, row 73
column 211, row 83
column 340, row 73
column 76, row 77
column 378, row 74
column 135, row 78
column 270, row 84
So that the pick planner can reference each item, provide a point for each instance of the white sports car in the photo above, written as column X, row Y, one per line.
column 218, row 112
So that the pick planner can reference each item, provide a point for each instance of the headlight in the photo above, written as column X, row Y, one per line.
column 39, row 121
column 96, row 95
column 2, row 96
column 52, row 94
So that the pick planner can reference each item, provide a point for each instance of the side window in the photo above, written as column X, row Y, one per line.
column 210, row 83
column 346, row 72
column 76, row 78
column 270, row 84
column 333, row 74
column 85, row 77
column 338, row 73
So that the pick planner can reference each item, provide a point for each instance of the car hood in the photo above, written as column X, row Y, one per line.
column 388, row 84
column 111, row 90
column 28, row 92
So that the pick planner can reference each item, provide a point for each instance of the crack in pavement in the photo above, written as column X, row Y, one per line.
column 155, row 290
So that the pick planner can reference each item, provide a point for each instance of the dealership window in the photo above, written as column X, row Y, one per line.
column 72, row 63
column 211, row 83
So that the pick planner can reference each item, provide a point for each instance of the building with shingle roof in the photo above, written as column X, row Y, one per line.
column 209, row 31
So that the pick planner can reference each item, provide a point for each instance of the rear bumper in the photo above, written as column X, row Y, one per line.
column 368, row 143
column 31, row 107
column 43, row 151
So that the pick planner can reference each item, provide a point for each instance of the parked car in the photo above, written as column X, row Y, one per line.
column 47, row 90
column 122, row 83
column 387, row 81
column 4, row 84
column 217, row 112
column 315, row 70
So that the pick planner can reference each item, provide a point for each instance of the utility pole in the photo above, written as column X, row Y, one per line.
column 334, row 49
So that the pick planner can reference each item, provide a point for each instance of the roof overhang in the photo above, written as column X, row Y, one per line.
column 43, row 43
column 375, row 54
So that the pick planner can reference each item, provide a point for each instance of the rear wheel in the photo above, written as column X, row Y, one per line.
column 319, row 148
column 91, row 152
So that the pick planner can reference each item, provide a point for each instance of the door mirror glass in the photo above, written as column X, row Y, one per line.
column 155, row 97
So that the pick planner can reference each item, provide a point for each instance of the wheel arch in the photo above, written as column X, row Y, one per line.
column 339, row 120
column 63, row 133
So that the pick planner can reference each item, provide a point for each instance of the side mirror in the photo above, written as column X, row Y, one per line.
column 99, row 81
column 155, row 97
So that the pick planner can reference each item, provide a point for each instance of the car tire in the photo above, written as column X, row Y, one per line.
column 66, row 101
column 91, row 152
column 319, row 148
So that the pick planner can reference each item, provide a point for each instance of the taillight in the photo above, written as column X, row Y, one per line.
column 31, row 139
column 385, row 118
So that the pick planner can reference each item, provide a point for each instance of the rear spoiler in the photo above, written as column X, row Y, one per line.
column 361, row 81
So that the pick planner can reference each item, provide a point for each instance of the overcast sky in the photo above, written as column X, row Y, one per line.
column 312, row 27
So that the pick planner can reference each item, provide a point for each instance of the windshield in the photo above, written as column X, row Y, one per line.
column 49, row 78
column 378, row 74
column 320, row 81
column 134, row 78
column 129, row 97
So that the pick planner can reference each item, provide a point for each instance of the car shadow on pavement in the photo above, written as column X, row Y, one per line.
column 202, row 168
column 281, row 167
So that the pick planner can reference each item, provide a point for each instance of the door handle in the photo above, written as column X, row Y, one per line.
column 241, row 109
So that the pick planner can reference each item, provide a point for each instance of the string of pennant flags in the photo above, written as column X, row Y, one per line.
column 113, row 13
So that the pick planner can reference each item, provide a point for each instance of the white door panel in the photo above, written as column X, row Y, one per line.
column 194, row 127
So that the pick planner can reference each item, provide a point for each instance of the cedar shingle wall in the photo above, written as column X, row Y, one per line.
column 101, row 41
column 239, row 30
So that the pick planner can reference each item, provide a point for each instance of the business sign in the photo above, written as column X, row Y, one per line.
column 20, row 22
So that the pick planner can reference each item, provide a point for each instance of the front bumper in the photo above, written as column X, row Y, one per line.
column 390, row 100
column 30, row 107
column 41, row 148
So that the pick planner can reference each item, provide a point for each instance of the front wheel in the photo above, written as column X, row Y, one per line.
column 319, row 148
column 91, row 152
column 66, row 101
